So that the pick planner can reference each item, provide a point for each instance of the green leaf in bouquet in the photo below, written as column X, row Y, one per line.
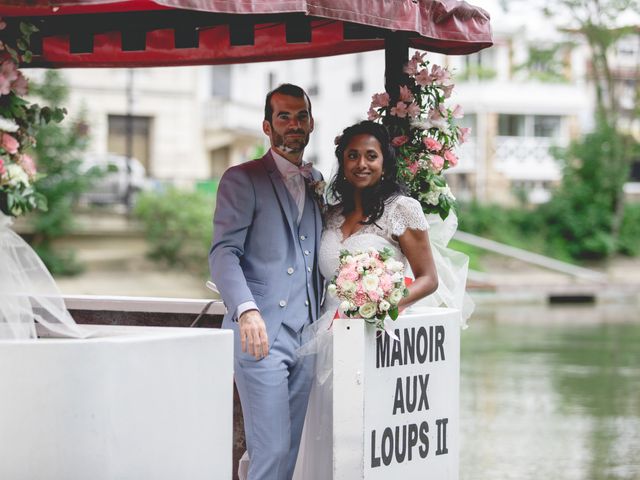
column 394, row 312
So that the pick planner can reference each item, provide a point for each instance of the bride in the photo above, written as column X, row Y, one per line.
column 371, row 211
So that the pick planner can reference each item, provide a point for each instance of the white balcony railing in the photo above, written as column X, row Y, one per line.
column 527, row 158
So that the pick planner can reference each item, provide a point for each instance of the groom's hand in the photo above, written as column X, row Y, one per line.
column 253, row 334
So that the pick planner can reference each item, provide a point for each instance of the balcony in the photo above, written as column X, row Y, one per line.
column 527, row 158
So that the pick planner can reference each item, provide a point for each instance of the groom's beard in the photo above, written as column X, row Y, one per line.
column 288, row 144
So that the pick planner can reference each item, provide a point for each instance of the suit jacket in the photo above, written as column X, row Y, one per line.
column 255, row 241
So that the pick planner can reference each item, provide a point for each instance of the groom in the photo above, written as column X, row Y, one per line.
column 263, row 260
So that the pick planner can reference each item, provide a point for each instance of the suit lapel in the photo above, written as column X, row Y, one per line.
column 281, row 190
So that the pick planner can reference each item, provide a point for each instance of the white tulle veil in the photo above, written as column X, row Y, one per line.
column 28, row 293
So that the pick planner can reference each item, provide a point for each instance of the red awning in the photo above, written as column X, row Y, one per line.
column 103, row 33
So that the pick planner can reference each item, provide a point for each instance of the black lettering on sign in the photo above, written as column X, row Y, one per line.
column 375, row 460
column 382, row 351
column 414, row 345
column 439, row 342
column 398, row 443
column 411, row 395
column 442, row 436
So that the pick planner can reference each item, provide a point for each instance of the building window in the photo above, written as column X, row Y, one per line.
column 546, row 126
column 138, row 131
column 221, row 81
column 511, row 125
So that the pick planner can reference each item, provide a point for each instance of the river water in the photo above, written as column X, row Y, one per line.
column 551, row 393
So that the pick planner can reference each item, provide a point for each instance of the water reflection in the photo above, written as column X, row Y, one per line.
column 551, row 393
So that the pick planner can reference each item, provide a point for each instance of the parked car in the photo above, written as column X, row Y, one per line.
column 111, row 187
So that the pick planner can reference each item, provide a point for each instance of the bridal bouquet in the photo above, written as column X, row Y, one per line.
column 369, row 285
column 424, row 131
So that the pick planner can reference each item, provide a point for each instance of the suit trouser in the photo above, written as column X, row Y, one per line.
column 274, row 392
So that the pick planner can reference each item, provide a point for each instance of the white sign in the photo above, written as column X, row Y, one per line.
column 396, row 403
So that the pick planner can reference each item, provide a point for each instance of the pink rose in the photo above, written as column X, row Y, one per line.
column 28, row 165
column 360, row 298
column 20, row 85
column 463, row 134
column 405, row 94
column 437, row 162
column 414, row 167
column 399, row 141
column 413, row 110
column 2, row 169
column 379, row 100
column 9, row 143
column 400, row 110
column 450, row 157
column 373, row 295
column 432, row 144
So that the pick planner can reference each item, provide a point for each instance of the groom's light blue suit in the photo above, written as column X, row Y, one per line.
column 261, row 253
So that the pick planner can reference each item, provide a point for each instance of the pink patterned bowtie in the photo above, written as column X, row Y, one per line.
column 305, row 170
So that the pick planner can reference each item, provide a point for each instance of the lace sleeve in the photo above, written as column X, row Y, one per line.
column 406, row 212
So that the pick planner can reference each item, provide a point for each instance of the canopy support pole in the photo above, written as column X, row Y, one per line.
column 396, row 54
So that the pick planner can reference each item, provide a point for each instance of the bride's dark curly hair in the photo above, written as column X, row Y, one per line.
column 375, row 197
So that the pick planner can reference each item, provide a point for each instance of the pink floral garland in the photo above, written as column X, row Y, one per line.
column 427, row 136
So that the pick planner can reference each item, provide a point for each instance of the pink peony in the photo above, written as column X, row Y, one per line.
column 437, row 162
column 2, row 169
column 9, row 143
column 423, row 78
column 399, row 141
column 432, row 144
column 413, row 110
column 414, row 167
column 463, row 134
column 20, row 85
column 405, row 94
column 379, row 100
column 373, row 295
column 28, row 165
column 385, row 282
column 400, row 110
column 361, row 298
column 450, row 157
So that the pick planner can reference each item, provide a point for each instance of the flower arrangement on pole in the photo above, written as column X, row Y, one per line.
column 19, row 121
column 424, row 131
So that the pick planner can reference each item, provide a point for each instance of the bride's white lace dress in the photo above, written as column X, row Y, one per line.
column 315, row 456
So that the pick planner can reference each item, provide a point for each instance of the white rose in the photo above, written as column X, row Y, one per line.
column 368, row 310
column 397, row 266
column 384, row 305
column 8, row 125
column 396, row 296
column 359, row 269
column 349, row 259
column 345, row 305
column 348, row 286
column 370, row 282
column 16, row 175
column 331, row 289
column 397, row 277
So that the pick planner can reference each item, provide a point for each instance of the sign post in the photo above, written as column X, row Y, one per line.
column 396, row 402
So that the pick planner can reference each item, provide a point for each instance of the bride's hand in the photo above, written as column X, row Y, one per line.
column 253, row 334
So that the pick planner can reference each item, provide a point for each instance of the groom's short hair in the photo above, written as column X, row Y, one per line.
column 284, row 89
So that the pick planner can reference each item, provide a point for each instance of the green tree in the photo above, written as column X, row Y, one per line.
column 59, row 148
column 595, row 173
